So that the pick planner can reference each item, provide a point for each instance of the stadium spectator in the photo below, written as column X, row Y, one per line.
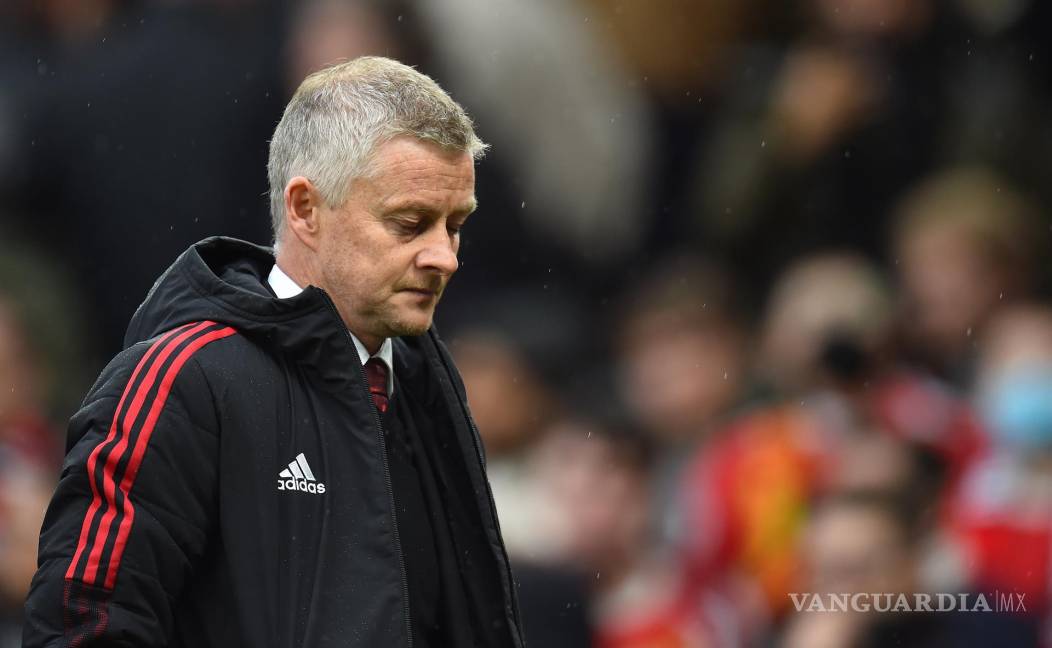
column 1002, row 512
column 872, row 543
column 966, row 242
column 746, row 493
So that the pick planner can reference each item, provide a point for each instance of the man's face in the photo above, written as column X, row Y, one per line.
column 387, row 253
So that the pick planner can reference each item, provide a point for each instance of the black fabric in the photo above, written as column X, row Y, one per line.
column 225, row 551
column 554, row 603
column 414, row 519
column 477, row 600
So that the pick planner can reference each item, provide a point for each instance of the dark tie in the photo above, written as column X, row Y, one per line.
column 376, row 373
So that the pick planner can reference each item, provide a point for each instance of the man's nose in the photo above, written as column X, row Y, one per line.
column 439, row 254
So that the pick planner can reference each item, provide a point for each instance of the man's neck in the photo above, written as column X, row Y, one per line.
column 372, row 344
column 299, row 274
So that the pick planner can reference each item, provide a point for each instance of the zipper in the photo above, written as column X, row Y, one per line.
column 387, row 474
column 475, row 441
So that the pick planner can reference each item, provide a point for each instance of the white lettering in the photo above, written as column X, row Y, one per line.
column 923, row 602
column 798, row 600
column 816, row 605
column 302, row 485
column 838, row 602
column 947, row 602
column 855, row 605
column 1005, row 602
column 886, row 607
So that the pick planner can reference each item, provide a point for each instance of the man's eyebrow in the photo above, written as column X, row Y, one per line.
column 428, row 208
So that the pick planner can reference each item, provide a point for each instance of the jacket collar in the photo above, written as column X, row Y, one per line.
column 223, row 279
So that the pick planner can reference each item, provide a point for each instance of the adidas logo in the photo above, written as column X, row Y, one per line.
column 298, row 477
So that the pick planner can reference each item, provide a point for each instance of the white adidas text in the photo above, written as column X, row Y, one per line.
column 299, row 477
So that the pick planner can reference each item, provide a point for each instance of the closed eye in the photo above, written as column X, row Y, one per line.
column 405, row 226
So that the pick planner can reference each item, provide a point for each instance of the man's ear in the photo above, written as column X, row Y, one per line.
column 303, row 206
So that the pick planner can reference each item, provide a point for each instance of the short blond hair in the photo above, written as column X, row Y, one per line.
column 340, row 114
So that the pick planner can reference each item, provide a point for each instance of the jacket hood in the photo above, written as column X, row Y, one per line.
column 224, row 280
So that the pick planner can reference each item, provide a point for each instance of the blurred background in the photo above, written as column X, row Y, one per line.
column 756, row 301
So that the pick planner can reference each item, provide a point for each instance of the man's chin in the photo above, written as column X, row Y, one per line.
column 410, row 327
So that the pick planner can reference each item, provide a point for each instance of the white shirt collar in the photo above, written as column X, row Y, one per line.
column 284, row 287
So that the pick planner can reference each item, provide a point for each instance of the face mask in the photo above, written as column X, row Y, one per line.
column 1017, row 408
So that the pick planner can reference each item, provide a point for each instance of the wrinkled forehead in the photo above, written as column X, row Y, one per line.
column 410, row 172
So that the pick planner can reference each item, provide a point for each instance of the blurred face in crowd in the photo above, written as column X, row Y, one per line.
column 678, row 377
column 507, row 401
column 602, row 499
column 386, row 254
column 949, row 285
column 856, row 549
column 815, row 301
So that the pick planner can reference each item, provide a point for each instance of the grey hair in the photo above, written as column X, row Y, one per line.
column 340, row 114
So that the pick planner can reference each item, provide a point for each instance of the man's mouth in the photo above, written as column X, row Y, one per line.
column 429, row 292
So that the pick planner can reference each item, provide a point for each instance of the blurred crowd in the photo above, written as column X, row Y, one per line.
column 755, row 304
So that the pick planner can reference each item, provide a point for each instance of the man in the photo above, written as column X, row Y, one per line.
column 283, row 455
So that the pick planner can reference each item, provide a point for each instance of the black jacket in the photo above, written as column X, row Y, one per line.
column 175, row 522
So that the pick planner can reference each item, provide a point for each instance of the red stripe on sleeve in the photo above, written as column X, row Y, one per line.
column 144, row 439
column 96, row 499
column 118, row 451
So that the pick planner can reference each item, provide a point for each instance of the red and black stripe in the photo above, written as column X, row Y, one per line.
column 114, row 463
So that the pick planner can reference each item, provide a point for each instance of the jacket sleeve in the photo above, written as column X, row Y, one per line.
column 136, row 502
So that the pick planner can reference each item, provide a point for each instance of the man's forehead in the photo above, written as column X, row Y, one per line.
column 414, row 172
